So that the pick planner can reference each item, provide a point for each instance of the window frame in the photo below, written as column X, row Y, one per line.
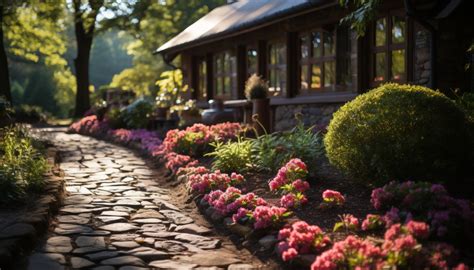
column 277, row 67
column 316, row 60
column 388, row 48
column 231, row 75
column 248, row 72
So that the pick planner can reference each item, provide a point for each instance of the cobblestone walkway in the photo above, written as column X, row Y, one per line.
column 115, row 216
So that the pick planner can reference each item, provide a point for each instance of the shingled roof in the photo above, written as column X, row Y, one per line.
column 234, row 17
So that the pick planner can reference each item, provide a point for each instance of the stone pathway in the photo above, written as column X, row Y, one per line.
column 115, row 216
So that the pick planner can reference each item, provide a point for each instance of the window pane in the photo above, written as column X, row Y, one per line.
column 304, row 47
column 272, row 81
column 380, row 64
column 398, row 65
column 380, row 32
column 227, row 63
column 317, row 48
column 272, row 55
column 281, row 80
column 329, row 73
column 202, row 80
column 398, row 30
column 304, row 77
column 316, row 76
column 251, row 61
column 281, row 54
column 329, row 48
column 219, row 86
column 227, row 85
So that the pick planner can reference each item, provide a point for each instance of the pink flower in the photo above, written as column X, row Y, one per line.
column 333, row 197
column 420, row 230
column 289, row 254
column 372, row 222
column 300, row 185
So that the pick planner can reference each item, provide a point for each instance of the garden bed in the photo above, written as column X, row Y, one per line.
column 330, row 197
column 22, row 225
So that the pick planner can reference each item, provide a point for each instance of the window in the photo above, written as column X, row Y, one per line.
column 318, row 60
column 277, row 69
column 202, row 80
column 251, row 61
column 323, row 65
column 389, row 50
column 224, row 75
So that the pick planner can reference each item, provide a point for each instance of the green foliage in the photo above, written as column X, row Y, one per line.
column 30, row 114
column 232, row 156
column 136, row 115
column 363, row 11
column 466, row 103
column 271, row 151
column 256, row 88
column 36, row 44
column 398, row 132
column 5, row 108
column 114, row 118
column 21, row 165
column 171, row 87
column 152, row 23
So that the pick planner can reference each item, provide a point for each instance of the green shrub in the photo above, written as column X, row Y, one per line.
column 21, row 165
column 271, row 151
column 398, row 132
column 137, row 114
column 30, row 114
column 114, row 117
column 232, row 156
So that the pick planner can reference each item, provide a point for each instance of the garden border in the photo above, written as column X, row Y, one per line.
column 19, row 236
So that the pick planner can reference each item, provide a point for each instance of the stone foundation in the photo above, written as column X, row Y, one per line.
column 313, row 114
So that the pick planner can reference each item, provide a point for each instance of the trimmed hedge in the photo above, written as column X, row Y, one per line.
column 399, row 132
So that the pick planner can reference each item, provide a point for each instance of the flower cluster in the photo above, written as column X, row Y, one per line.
column 268, row 216
column 175, row 161
column 351, row 253
column 449, row 218
column 372, row 222
column 204, row 183
column 146, row 140
column 230, row 201
column 402, row 247
column 195, row 140
column 192, row 170
column 348, row 222
column 289, row 182
column 89, row 125
column 332, row 197
column 301, row 238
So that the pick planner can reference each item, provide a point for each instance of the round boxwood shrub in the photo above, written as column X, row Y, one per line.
column 398, row 132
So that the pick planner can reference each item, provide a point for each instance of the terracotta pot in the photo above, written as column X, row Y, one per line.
column 261, row 110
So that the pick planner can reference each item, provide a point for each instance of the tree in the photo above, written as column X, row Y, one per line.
column 32, row 32
column 152, row 24
column 85, row 16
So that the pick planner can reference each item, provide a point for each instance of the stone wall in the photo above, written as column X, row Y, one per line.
column 313, row 114
column 422, row 53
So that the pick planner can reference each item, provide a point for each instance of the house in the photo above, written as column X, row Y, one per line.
column 313, row 63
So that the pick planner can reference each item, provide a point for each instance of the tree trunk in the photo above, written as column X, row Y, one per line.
column 81, row 64
column 84, row 38
column 5, row 89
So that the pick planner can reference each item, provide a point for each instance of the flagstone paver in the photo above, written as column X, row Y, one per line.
column 116, row 216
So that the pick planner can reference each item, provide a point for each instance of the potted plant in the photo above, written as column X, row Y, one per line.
column 256, row 90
